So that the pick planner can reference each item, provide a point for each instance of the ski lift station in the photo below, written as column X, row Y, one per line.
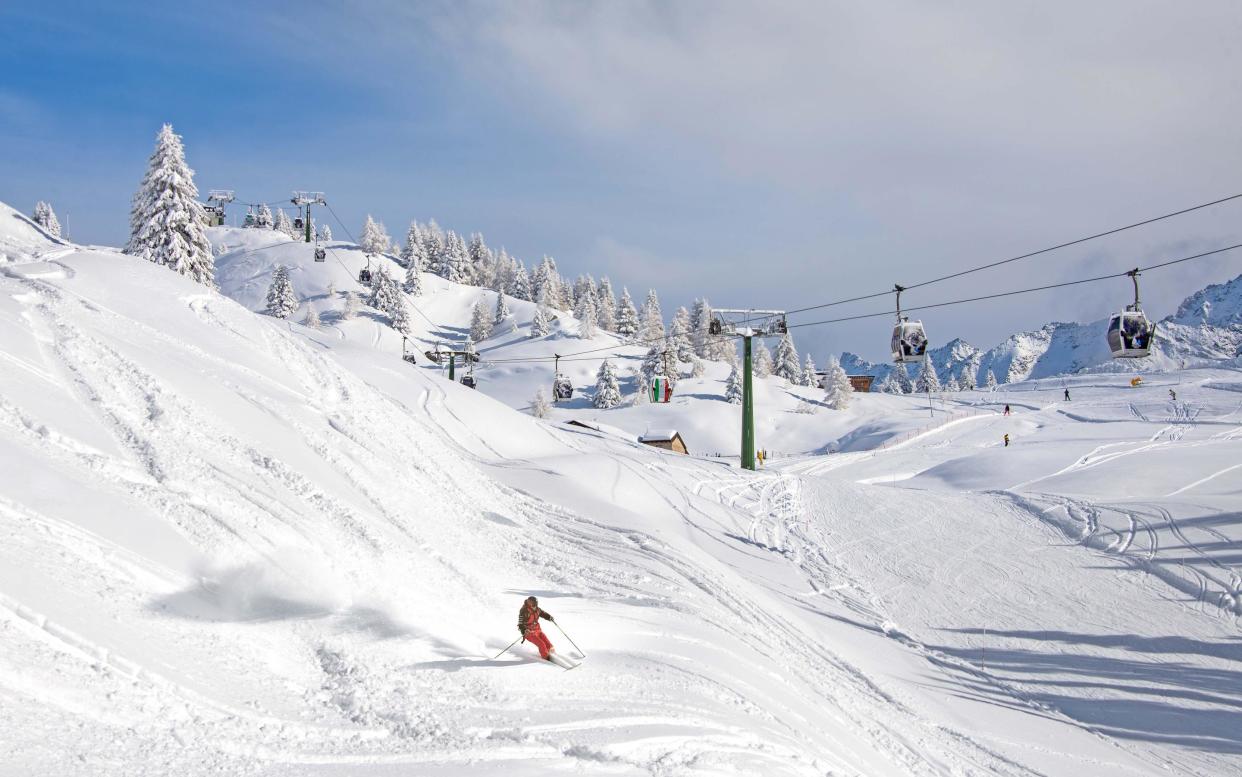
column 668, row 439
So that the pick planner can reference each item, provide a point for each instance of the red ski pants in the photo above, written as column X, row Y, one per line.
column 540, row 640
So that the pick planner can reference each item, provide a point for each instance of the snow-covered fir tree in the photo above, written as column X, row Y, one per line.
column 809, row 378
column 587, row 326
column 951, row 384
column 479, row 261
column 325, row 233
column 607, row 305
column 45, row 217
column 480, row 321
column 700, row 323
column 760, row 359
column 263, row 217
column 519, row 284
column 837, row 388
column 697, row 368
column 539, row 325
column 166, row 220
column 383, row 290
column 642, row 389
column 902, row 379
column 502, row 311
column 311, row 320
column 607, row 390
column 374, row 239
column 989, row 380
column 399, row 314
column 330, row 292
column 283, row 224
column 726, row 349
column 890, row 385
column 413, row 284
column 733, row 386
column 539, row 406
column 927, row 382
column 653, row 319
column 967, row 381
column 352, row 305
column 679, row 335
column 660, row 360
column 456, row 258
column 412, row 251
column 433, row 249
column 786, row 364
column 281, row 301
column 627, row 317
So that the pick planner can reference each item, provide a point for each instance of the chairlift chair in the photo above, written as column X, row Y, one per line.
column 1130, row 333
column 406, row 354
column 909, row 342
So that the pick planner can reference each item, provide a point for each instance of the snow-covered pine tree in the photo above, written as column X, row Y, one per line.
column 928, row 382
column 760, row 359
column 642, row 389
column 838, row 391
column 284, row 224
column 281, row 301
column 902, row 379
column 967, row 380
column 809, row 378
column 607, row 305
column 433, row 249
column 412, row 251
column 519, row 284
column 383, row 290
column 727, row 350
column 457, row 261
column 786, row 365
column 311, row 320
column 539, row 326
column 399, row 313
column 352, row 304
column 733, row 386
column 502, row 311
column 951, row 384
column 539, row 406
column 263, row 217
column 479, row 264
column 697, row 368
column 45, row 217
column 989, row 380
column 660, row 360
column 413, row 284
column 330, row 292
column 679, row 335
column 653, row 319
column 325, row 233
column 480, row 321
column 166, row 221
column 374, row 239
column 700, row 321
column 607, row 390
column 587, row 326
column 627, row 317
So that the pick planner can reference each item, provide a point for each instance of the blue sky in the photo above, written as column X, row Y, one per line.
column 766, row 155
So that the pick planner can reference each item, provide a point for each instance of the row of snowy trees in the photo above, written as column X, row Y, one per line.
column 927, row 381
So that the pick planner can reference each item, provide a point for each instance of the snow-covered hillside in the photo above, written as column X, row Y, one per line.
column 235, row 544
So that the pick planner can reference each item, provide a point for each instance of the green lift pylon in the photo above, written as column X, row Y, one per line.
column 748, row 324
column 305, row 200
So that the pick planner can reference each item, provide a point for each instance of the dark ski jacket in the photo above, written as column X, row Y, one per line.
column 528, row 618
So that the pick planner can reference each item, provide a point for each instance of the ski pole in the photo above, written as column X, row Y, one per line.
column 511, row 644
column 571, row 640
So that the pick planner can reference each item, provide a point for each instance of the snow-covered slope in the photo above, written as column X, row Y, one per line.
column 237, row 545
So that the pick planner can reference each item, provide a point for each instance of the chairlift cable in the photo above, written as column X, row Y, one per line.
column 1023, row 256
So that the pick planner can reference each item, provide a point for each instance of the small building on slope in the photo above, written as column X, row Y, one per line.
column 668, row 439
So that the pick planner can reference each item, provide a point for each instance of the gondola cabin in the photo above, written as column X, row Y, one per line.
column 469, row 382
column 320, row 254
column 1130, row 334
column 909, row 343
column 661, row 389
column 562, row 388
column 364, row 276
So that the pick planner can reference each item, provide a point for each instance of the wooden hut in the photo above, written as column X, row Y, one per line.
column 668, row 439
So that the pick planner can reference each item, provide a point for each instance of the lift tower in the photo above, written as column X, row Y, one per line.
column 305, row 200
column 219, row 198
column 747, row 324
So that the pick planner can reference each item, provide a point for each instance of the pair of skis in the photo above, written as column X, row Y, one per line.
column 554, row 658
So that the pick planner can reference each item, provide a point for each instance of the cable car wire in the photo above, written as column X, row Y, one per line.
column 990, row 265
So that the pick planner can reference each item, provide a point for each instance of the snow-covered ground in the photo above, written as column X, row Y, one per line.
column 236, row 545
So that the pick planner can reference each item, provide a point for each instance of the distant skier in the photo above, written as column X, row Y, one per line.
column 1067, row 395
column 1006, row 409
column 528, row 625
column 1172, row 395
column 1006, row 440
